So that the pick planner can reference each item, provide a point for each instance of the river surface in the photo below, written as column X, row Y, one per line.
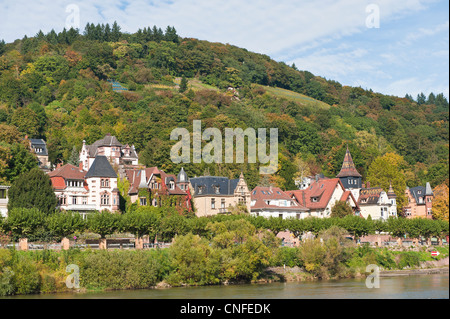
column 399, row 287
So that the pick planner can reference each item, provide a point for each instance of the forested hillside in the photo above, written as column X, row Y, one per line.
column 54, row 86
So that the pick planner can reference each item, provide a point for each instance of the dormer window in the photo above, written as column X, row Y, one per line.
column 315, row 199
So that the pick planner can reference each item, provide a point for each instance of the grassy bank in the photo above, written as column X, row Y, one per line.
column 233, row 252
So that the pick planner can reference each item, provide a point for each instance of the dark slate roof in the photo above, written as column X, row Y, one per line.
column 101, row 168
column 209, row 185
column 108, row 140
column 417, row 192
column 39, row 143
column 182, row 173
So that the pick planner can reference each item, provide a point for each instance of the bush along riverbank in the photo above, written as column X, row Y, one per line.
column 232, row 251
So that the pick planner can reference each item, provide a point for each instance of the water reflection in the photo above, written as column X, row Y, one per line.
column 401, row 287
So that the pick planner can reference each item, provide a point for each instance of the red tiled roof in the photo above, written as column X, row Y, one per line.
column 322, row 190
column 263, row 194
column 68, row 171
column 59, row 176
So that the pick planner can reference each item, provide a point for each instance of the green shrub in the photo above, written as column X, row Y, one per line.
column 385, row 259
column 286, row 256
column 26, row 276
column 6, row 282
column 408, row 259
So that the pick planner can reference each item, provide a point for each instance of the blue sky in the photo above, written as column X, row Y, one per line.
column 408, row 53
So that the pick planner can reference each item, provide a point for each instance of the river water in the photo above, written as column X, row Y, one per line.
column 400, row 287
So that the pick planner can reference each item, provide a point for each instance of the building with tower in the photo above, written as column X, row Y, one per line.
column 350, row 178
column 116, row 153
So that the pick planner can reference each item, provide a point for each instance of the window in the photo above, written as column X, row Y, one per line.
column 143, row 201
column 222, row 203
column 104, row 199
column 74, row 200
column 213, row 203
column 62, row 200
column 84, row 199
column 2, row 193
column 104, row 182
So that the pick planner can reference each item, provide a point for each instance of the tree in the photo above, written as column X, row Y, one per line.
column 2, row 47
column 25, row 119
column 74, row 157
column 62, row 224
column 341, row 209
column 441, row 202
column 26, row 223
column 183, row 85
column 103, row 223
column 15, row 159
column 143, row 221
column 33, row 189
column 387, row 169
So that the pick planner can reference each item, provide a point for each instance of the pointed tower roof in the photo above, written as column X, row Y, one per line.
column 348, row 167
column 143, row 181
column 182, row 176
column 101, row 168
column 391, row 193
column 428, row 190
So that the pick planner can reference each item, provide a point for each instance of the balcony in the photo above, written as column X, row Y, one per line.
column 223, row 211
column 82, row 207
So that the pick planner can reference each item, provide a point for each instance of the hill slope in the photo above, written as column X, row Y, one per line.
column 55, row 86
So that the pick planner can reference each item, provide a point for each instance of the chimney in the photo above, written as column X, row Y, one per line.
column 368, row 184
column 80, row 166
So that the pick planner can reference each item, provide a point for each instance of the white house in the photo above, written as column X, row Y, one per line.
column 4, row 200
column 111, row 148
column 377, row 203
column 86, row 191
column 273, row 202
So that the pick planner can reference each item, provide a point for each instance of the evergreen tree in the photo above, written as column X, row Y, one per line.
column 171, row 35
column 74, row 158
column 33, row 190
column 115, row 32
column 183, row 85
column 431, row 98
column 2, row 47
column 107, row 33
column 421, row 99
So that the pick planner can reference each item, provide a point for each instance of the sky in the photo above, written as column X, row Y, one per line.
column 390, row 46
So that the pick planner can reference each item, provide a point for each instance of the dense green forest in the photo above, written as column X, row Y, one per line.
column 54, row 86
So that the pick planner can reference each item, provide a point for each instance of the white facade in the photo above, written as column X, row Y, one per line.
column 384, row 208
column 4, row 201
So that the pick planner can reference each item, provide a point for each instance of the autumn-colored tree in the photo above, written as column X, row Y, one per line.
column 389, row 169
column 441, row 202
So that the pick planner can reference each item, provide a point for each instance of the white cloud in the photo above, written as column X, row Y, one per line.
column 317, row 35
